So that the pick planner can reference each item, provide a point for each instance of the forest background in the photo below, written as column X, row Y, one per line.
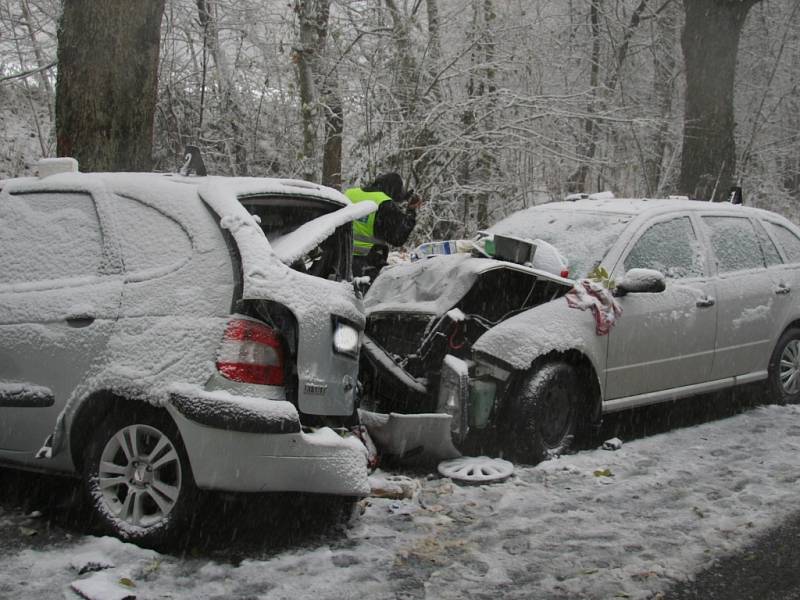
column 484, row 106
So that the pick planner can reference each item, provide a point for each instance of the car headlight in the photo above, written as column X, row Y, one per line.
column 346, row 339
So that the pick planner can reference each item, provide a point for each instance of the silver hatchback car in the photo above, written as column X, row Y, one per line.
column 163, row 334
column 494, row 347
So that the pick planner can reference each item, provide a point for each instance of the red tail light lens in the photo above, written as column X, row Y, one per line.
column 251, row 352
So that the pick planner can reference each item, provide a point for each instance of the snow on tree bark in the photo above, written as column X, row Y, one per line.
column 106, row 87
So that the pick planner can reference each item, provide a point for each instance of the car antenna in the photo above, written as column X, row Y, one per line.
column 193, row 162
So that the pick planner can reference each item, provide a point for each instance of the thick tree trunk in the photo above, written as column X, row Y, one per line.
column 107, row 81
column 710, row 43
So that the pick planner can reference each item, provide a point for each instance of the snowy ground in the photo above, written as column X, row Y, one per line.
column 667, row 506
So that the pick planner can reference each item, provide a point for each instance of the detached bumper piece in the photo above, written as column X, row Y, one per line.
column 411, row 438
column 247, row 444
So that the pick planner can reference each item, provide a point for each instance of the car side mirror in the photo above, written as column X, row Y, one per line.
column 641, row 281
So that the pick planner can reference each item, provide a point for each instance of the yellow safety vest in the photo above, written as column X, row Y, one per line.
column 364, row 228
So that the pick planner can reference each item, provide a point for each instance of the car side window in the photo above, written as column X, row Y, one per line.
column 149, row 238
column 670, row 247
column 771, row 254
column 734, row 242
column 49, row 236
column 787, row 240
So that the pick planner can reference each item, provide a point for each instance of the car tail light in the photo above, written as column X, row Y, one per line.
column 251, row 352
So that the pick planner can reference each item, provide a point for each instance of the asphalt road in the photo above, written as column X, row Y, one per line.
column 767, row 570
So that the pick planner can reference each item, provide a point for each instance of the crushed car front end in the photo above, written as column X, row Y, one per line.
column 420, row 375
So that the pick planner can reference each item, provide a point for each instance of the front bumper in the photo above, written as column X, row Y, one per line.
column 246, row 444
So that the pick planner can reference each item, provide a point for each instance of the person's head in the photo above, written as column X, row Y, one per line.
column 390, row 184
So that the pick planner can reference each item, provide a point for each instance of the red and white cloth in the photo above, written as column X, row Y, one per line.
column 588, row 294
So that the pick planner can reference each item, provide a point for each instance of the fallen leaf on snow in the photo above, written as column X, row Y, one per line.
column 603, row 473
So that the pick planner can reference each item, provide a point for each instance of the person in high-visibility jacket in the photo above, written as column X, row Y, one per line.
column 390, row 225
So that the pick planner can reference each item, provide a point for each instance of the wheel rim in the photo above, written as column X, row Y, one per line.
column 139, row 475
column 790, row 367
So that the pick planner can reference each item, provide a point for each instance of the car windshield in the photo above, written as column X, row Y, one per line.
column 582, row 236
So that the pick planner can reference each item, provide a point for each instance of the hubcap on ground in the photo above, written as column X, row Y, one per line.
column 139, row 475
column 790, row 367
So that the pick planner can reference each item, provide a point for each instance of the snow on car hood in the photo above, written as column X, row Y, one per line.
column 434, row 285
column 308, row 236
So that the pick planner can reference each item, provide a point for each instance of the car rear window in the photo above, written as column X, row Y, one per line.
column 280, row 215
column 49, row 236
column 149, row 238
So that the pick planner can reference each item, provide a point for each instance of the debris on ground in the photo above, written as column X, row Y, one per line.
column 104, row 585
column 392, row 486
column 612, row 444
column 476, row 469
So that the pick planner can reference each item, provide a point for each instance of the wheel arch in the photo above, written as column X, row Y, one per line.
column 91, row 412
column 588, row 373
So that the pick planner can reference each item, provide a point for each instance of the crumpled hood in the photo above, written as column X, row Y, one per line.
column 434, row 285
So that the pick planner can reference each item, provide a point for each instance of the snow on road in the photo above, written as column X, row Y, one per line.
column 597, row 524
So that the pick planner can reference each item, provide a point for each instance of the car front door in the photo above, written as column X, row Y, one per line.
column 663, row 340
column 60, row 291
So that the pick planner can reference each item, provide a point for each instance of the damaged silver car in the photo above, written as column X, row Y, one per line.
column 511, row 346
column 164, row 334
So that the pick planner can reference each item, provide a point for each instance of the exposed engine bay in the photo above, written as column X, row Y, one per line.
column 432, row 312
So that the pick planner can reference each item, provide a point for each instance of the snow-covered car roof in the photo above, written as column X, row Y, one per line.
column 241, row 186
column 642, row 206
column 223, row 195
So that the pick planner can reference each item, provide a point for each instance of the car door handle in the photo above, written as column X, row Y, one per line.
column 783, row 289
column 705, row 302
column 81, row 320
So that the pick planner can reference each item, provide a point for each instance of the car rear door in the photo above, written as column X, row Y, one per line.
column 663, row 340
column 60, row 291
column 745, row 317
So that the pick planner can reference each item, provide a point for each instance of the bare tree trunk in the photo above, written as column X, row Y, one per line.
column 332, row 151
column 664, row 68
column 106, row 85
column 41, row 62
column 435, row 45
column 312, row 16
column 486, row 159
column 577, row 182
column 710, row 43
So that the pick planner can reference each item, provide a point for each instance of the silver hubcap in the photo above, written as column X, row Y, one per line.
column 790, row 367
column 139, row 475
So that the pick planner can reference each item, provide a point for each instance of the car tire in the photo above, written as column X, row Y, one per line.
column 138, row 478
column 544, row 417
column 784, row 368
